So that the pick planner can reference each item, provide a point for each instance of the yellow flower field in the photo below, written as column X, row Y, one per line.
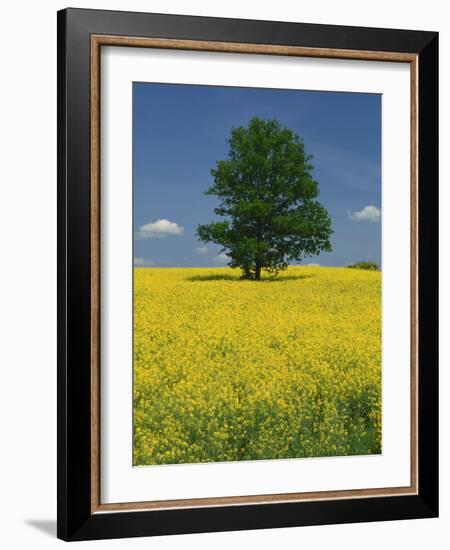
column 229, row 370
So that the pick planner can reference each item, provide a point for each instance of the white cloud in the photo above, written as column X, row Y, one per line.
column 370, row 213
column 201, row 250
column 313, row 265
column 159, row 229
column 221, row 258
column 141, row 262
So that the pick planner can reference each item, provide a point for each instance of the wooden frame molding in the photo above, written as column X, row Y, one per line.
column 96, row 42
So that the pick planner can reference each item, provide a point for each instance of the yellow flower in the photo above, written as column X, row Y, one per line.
column 238, row 370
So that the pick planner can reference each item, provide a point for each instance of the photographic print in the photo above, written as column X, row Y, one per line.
column 257, row 273
column 247, row 266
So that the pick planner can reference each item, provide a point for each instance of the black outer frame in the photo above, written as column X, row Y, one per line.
column 75, row 521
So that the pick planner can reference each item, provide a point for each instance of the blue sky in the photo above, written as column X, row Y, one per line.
column 180, row 131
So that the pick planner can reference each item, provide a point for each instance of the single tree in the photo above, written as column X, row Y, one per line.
column 267, row 197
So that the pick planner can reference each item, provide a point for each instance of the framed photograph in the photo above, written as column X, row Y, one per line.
column 247, row 253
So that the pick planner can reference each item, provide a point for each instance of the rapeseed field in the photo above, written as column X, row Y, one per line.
column 228, row 370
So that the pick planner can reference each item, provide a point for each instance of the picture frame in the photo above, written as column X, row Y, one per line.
column 81, row 36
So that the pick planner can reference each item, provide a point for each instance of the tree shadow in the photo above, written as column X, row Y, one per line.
column 214, row 277
column 288, row 278
column 237, row 279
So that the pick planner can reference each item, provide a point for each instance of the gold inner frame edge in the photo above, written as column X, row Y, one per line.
column 97, row 41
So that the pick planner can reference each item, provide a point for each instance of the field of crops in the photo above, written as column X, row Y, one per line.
column 229, row 370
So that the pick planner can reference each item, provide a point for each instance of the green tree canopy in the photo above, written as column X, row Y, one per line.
column 267, row 199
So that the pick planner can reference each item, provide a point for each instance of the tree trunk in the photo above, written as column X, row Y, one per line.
column 257, row 272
